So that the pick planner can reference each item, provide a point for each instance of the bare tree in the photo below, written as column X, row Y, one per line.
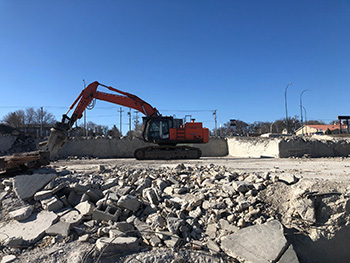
column 43, row 116
column 114, row 132
column 29, row 116
column 15, row 119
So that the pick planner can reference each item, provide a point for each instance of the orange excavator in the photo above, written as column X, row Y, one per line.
column 165, row 131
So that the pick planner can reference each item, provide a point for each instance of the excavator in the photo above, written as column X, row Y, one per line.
column 167, row 132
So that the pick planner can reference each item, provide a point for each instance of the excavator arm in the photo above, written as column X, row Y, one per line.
column 59, row 134
column 90, row 93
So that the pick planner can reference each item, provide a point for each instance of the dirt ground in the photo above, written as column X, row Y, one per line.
column 334, row 169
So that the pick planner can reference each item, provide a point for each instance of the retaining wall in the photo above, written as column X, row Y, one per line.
column 253, row 147
column 287, row 147
column 124, row 148
column 314, row 148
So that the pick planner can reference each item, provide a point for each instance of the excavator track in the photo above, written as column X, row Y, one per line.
column 167, row 153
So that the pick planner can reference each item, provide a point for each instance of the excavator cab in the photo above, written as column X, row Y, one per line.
column 157, row 129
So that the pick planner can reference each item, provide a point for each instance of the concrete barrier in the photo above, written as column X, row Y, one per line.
column 253, row 147
column 249, row 147
column 124, row 148
column 256, row 147
column 298, row 147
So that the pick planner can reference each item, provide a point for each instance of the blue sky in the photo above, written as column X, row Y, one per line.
column 183, row 57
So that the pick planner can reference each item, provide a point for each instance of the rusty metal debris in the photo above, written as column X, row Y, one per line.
column 24, row 161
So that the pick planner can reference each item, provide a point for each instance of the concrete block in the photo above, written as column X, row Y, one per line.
column 109, row 183
column 129, row 202
column 72, row 217
column 22, row 213
column 60, row 228
column 106, row 212
column 124, row 226
column 151, row 196
column 25, row 186
column 155, row 241
column 85, row 208
column 117, row 245
column 30, row 230
column 52, row 203
column 256, row 244
column 94, row 195
column 74, row 198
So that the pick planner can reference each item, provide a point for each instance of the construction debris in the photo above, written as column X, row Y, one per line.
column 231, row 216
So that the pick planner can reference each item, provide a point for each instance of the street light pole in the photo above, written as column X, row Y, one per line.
column 301, row 110
column 305, row 116
column 285, row 102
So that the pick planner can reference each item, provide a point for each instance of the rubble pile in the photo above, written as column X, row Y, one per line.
column 116, row 210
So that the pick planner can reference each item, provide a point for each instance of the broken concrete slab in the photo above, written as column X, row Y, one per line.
column 213, row 247
column 289, row 256
column 8, row 259
column 60, row 228
column 256, row 244
column 73, row 217
column 172, row 242
column 47, row 193
column 129, row 202
column 52, row 203
column 288, row 178
column 29, row 230
column 85, row 208
column 242, row 186
column 119, row 244
column 25, row 186
column 74, row 198
column 22, row 213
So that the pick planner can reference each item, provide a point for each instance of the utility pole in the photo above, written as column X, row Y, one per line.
column 285, row 101
column 136, row 124
column 301, row 110
column 41, row 121
column 85, row 125
column 121, row 116
column 129, row 113
column 216, row 124
column 136, row 119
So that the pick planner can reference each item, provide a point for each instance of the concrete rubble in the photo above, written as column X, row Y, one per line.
column 211, row 208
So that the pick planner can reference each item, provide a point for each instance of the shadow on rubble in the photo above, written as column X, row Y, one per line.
column 149, row 255
column 336, row 249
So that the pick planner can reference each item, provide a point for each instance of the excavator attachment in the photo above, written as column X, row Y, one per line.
column 55, row 142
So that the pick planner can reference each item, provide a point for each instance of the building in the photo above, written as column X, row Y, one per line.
column 320, row 129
